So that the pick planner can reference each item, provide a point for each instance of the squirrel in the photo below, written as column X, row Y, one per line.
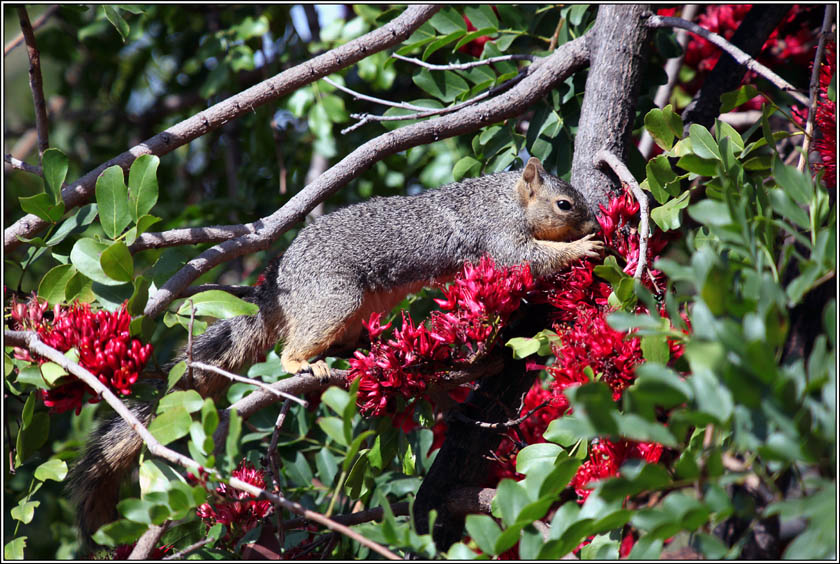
column 360, row 259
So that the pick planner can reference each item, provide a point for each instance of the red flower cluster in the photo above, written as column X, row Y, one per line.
column 605, row 458
column 103, row 343
column 589, row 343
column 240, row 512
column 825, row 119
column 475, row 306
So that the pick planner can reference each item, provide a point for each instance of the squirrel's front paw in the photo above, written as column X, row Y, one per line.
column 589, row 247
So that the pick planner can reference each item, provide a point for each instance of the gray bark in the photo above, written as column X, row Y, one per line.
column 606, row 119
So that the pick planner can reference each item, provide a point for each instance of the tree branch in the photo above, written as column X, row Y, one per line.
column 35, row 82
column 237, row 378
column 18, row 164
column 148, row 542
column 619, row 38
column 627, row 178
column 551, row 71
column 392, row 33
column 464, row 66
column 41, row 20
column 814, row 87
column 740, row 57
column 29, row 339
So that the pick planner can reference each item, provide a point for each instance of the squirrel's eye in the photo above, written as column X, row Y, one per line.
column 564, row 205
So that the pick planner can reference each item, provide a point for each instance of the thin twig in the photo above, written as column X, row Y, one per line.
column 275, row 468
column 814, row 88
column 502, row 424
column 39, row 21
column 365, row 97
column 427, row 112
column 627, row 178
column 238, row 378
column 736, row 53
column 24, row 166
column 192, row 548
column 30, row 340
column 464, row 66
column 35, row 81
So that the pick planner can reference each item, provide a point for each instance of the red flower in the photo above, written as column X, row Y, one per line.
column 239, row 512
column 606, row 457
column 475, row 306
column 101, row 339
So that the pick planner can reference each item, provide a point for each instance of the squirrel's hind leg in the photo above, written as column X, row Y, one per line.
column 310, row 333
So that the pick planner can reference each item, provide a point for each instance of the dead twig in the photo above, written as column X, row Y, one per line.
column 814, row 88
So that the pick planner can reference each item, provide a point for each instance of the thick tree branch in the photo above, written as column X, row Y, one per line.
column 392, row 33
column 618, row 41
column 549, row 72
column 35, row 82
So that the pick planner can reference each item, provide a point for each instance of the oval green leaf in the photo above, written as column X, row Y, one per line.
column 117, row 263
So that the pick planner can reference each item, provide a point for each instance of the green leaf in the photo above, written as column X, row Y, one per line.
column 336, row 398
column 731, row 100
column 52, row 469
column 52, row 373
column 112, row 201
column 703, row 143
column 334, row 428
column 447, row 21
column 55, row 164
column 655, row 349
column 659, row 174
column 14, row 549
column 232, row 441
column 113, row 16
column 482, row 16
column 73, row 224
column 796, row 184
column 32, row 437
column 569, row 429
column 664, row 126
column 116, row 262
column 787, row 208
column 710, row 212
column 723, row 129
column 511, row 498
column 171, row 425
column 24, row 511
column 53, row 283
column 466, row 166
column 667, row 216
column 219, row 304
column 119, row 532
column 484, row 531
column 138, row 299
column 536, row 455
column 175, row 374
column 442, row 42
column 143, row 185
column 523, row 346
column 189, row 400
column 445, row 86
column 42, row 206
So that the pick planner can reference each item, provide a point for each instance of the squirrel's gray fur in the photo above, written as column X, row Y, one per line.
column 347, row 264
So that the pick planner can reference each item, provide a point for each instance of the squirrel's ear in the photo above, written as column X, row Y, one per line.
column 533, row 171
column 531, row 179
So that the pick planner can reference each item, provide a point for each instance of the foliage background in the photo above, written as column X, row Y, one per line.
column 111, row 92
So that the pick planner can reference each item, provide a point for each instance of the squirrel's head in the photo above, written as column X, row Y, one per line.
column 554, row 210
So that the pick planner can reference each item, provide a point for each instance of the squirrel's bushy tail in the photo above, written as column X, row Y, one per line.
column 95, row 479
column 114, row 447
